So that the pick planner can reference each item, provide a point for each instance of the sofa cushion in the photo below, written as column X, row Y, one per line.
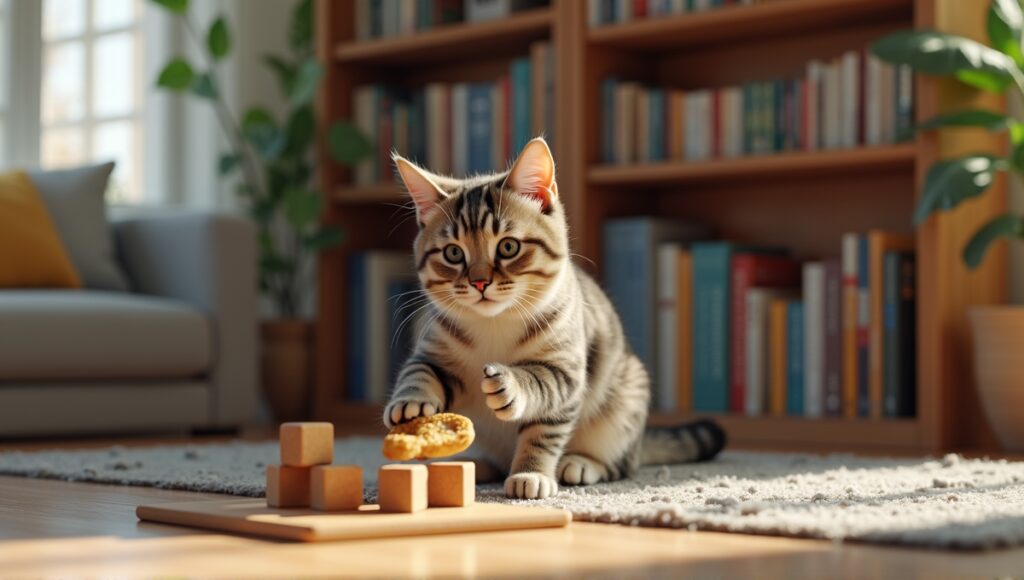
column 31, row 253
column 96, row 335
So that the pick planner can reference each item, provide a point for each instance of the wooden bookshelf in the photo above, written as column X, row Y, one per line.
column 803, row 200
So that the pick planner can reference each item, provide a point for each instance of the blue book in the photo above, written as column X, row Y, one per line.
column 608, row 119
column 425, row 14
column 479, row 128
column 357, row 327
column 795, row 358
column 656, row 102
column 711, row 322
column 522, row 97
column 630, row 276
column 863, row 326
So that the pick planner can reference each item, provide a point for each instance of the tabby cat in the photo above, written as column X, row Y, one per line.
column 522, row 341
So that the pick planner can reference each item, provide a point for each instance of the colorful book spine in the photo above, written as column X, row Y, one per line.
column 667, row 381
column 684, row 331
column 814, row 338
column 711, row 273
column 900, row 343
column 879, row 243
column 778, row 361
column 863, row 325
column 833, row 338
column 522, row 91
column 356, row 388
column 850, row 247
column 795, row 359
column 480, row 132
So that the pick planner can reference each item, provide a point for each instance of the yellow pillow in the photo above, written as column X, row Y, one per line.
column 31, row 253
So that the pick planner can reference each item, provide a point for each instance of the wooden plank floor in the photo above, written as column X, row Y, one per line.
column 55, row 528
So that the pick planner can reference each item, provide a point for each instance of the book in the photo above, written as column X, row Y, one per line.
column 630, row 277
column 380, row 269
column 758, row 301
column 747, row 271
column 878, row 244
column 668, row 312
column 401, row 310
column 900, row 343
column 814, row 338
column 479, row 139
column 484, row 10
column 684, row 331
column 522, row 102
column 850, row 247
column 833, row 338
column 608, row 116
column 795, row 359
column 356, row 366
column 460, row 128
column 863, row 325
column 778, row 360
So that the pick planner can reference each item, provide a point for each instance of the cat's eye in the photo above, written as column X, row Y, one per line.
column 508, row 247
column 453, row 254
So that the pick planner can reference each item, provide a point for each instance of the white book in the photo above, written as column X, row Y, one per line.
column 759, row 301
column 362, row 19
column 691, row 151
column 594, row 13
column 484, row 10
column 381, row 269
column 873, row 101
column 365, row 117
column 668, row 359
column 831, row 118
column 460, row 121
column 850, row 98
column 813, row 80
column 735, row 116
column 814, row 338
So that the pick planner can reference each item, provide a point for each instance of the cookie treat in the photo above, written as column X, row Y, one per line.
column 439, row 435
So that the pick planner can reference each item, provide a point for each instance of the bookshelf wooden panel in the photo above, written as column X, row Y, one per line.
column 861, row 188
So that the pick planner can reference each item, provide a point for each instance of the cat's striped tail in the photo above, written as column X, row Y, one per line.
column 697, row 441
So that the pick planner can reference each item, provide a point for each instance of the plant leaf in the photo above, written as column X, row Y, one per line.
column 1004, row 226
column 218, row 39
column 302, row 207
column 177, row 75
column 260, row 130
column 274, row 264
column 952, row 181
column 989, row 120
column 325, row 239
column 284, row 71
column 300, row 35
column 301, row 128
column 1005, row 22
column 305, row 83
column 202, row 86
column 942, row 54
column 228, row 162
column 347, row 143
column 175, row 6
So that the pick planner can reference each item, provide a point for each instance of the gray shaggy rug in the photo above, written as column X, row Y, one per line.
column 938, row 503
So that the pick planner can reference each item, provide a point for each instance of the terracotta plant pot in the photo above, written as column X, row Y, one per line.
column 287, row 365
column 998, row 338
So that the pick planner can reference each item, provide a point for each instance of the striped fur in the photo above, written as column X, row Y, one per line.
column 537, row 358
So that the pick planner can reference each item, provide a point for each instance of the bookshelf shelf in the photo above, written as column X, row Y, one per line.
column 754, row 167
column 452, row 42
column 774, row 18
column 368, row 194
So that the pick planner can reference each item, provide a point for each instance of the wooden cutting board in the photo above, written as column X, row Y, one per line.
column 253, row 517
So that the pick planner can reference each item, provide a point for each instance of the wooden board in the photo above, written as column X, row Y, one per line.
column 253, row 517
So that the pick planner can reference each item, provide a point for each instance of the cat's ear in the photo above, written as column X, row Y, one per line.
column 533, row 173
column 424, row 192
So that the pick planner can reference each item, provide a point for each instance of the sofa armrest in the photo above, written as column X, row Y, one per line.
column 209, row 261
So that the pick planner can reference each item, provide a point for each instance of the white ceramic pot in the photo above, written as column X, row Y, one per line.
column 998, row 339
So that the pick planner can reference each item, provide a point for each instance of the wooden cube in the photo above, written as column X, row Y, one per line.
column 307, row 444
column 402, row 488
column 336, row 487
column 451, row 483
column 287, row 486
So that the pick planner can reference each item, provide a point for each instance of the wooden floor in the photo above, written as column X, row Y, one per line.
column 54, row 528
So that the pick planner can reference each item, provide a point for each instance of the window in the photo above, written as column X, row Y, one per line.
column 91, row 104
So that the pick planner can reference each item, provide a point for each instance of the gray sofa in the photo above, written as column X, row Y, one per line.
column 178, row 352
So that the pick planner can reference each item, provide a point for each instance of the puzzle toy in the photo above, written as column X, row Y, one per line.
column 309, row 499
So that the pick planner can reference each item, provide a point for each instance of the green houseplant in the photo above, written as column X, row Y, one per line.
column 998, row 331
column 272, row 162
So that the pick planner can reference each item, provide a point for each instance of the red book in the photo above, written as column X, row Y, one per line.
column 639, row 8
column 751, row 271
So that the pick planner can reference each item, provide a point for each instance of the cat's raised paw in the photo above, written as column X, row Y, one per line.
column 502, row 392
column 530, row 485
column 402, row 410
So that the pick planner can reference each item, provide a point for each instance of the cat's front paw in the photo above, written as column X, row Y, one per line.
column 530, row 485
column 404, row 409
column 502, row 392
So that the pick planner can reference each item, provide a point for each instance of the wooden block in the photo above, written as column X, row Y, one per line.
column 402, row 488
column 336, row 487
column 451, row 483
column 287, row 486
column 307, row 444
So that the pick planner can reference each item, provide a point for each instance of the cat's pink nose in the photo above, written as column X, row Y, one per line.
column 480, row 285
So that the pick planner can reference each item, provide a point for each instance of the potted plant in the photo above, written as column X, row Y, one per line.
column 273, row 161
column 998, row 331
